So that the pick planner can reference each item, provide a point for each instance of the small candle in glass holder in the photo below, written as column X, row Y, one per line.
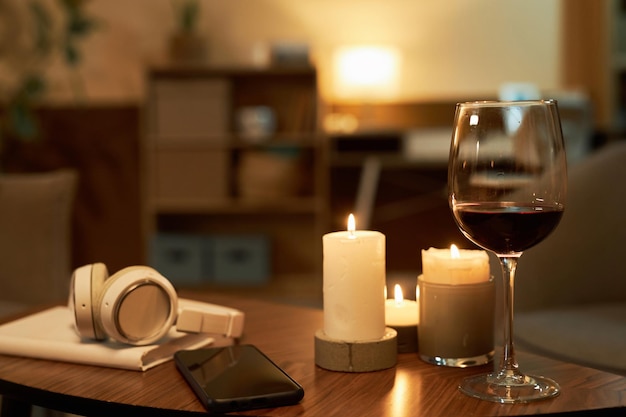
column 457, row 307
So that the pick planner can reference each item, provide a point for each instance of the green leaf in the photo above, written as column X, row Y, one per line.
column 43, row 28
column 24, row 122
column 72, row 55
column 80, row 26
column 32, row 88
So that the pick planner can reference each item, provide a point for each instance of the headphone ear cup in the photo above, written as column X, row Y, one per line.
column 105, row 289
column 86, row 285
column 137, row 305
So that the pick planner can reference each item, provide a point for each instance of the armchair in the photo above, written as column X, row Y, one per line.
column 571, row 289
column 35, row 236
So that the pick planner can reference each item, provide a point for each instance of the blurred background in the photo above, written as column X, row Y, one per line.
column 218, row 140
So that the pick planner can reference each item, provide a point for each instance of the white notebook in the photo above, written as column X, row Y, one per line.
column 50, row 335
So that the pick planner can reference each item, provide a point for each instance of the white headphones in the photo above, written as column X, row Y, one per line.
column 138, row 306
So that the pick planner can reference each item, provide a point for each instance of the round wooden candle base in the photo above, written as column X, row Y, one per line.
column 367, row 356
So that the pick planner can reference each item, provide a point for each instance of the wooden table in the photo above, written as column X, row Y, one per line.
column 285, row 333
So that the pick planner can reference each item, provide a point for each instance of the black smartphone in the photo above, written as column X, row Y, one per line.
column 236, row 378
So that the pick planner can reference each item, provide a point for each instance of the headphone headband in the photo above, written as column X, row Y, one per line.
column 198, row 317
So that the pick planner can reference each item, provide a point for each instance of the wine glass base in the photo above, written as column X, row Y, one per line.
column 508, row 390
column 459, row 362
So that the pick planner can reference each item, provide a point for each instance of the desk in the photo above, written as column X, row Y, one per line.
column 285, row 334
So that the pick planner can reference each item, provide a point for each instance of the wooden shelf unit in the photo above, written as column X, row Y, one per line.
column 594, row 59
column 206, row 175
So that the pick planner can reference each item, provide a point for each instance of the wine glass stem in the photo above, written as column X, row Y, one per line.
column 508, row 364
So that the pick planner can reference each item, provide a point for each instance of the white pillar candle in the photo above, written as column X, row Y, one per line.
column 455, row 266
column 354, row 282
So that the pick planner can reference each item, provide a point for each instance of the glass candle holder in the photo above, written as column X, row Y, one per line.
column 456, row 323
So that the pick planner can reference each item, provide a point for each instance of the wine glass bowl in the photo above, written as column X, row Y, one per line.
column 506, row 228
column 507, row 180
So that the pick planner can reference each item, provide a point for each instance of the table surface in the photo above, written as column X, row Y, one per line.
column 285, row 333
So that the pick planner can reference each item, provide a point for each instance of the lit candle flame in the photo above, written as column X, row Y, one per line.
column 397, row 293
column 351, row 225
column 454, row 252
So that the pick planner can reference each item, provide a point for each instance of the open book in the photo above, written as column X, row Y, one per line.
column 50, row 334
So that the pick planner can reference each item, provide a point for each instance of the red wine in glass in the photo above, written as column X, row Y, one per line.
column 503, row 227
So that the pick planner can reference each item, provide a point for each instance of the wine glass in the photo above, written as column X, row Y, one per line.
column 507, row 180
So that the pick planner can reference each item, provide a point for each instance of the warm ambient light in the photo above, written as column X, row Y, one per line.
column 369, row 73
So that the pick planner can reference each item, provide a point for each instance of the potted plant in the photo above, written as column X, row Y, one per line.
column 45, row 34
column 187, row 46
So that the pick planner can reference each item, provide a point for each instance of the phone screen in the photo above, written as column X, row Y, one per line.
column 237, row 378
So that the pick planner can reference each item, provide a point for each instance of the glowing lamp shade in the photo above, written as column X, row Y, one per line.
column 369, row 73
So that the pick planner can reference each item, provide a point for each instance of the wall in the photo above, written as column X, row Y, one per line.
column 454, row 48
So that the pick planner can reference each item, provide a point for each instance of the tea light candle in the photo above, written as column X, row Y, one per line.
column 403, row 316
column 399, row 311
column 354, row 282
column 455, row 266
